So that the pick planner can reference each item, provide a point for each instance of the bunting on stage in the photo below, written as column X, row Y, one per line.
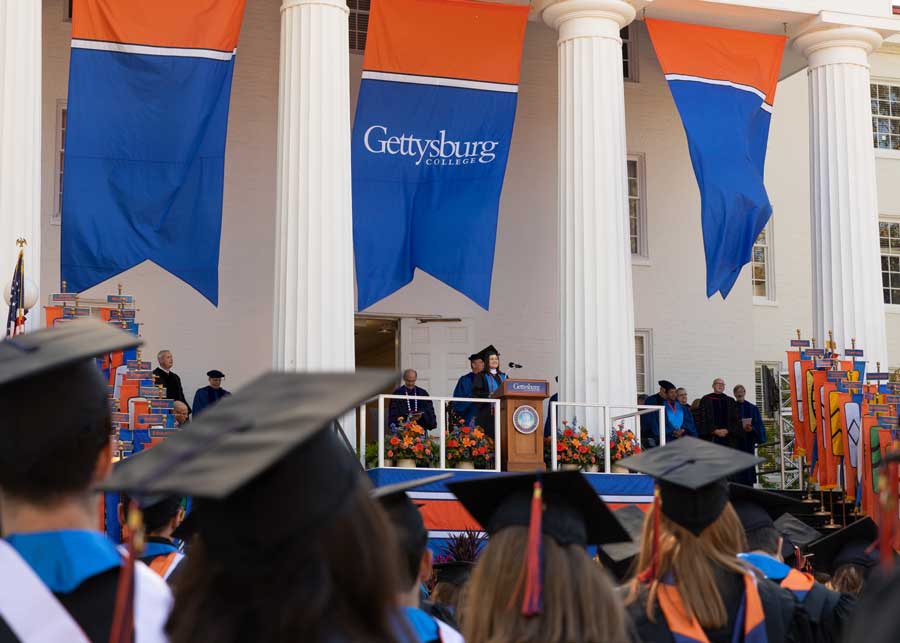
column 149, row 87
column 430, row 142
column 723, row 82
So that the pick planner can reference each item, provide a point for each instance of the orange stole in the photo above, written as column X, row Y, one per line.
column 799, row 583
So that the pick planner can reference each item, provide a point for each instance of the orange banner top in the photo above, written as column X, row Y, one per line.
column 192, row 24
column 446, row 38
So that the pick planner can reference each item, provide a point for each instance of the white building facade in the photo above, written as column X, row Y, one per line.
column 286, row 295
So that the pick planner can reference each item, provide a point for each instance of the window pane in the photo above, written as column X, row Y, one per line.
column 759, row 254
column 873, row 90
column 887, row 296
column 883, row 91
column 759, row 290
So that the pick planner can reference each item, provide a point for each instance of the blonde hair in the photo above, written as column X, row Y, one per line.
column 693, row 561
column 580, row 605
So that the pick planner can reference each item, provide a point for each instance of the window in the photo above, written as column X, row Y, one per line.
column 642, row 348
column 889, row 238
column 762, row 275
column 629, row 52
column 59, row 159
column 637, row 219
column 359, row 24
column 67, row 11
column 885, row 116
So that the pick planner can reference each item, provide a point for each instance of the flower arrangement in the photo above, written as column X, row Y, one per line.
column 469, row 442
column 574, row 445
column 411, row 441
column 622, row 443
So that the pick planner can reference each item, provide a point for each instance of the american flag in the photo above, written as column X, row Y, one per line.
column 15, row 320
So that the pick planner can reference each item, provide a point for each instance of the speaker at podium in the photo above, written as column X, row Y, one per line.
column 521, row 424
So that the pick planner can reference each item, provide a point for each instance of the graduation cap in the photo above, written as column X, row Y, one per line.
column 618, row 558
column 51, row 387
column 215, row 373
column 475, row 356
column 488, row 351
column 758, row 508
column 795, row 533
column 691, row 477
column 256, row 452
column 455, row 572
column 849, row 545
column 666, row 385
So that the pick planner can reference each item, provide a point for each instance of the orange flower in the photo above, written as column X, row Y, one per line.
column 479, row 433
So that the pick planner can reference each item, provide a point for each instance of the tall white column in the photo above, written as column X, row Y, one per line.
column 596, row 305
column 20, row 142
column 847, row 297
column 313, row 327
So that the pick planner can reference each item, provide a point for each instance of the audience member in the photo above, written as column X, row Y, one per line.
column 546, row 588
column 752, row 431
column 182, row 414
column 679, row 421
column 719, row 417
column 650, row 421
column 410, row 407
column 164, row 375
column 692, row 585
column 450, row 579
column 54, row 448
column 681, row 394
column 162, row 516
column 209, row 395
column 464, row 386
column 848, row 555
column 486, row 382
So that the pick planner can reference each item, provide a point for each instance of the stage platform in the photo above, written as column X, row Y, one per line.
column 444, row 515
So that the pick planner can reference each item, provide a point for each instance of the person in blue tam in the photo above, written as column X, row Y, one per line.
column 464, row 387
column 752, row 432
column 209, row 395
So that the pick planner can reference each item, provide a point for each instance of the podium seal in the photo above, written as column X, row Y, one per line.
column 525, row 419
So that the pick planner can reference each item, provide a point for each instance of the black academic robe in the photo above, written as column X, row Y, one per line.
column 172, row 383
column 719, row 411
column 482, row 389
column 405, row 407
column 829, row 613
column 786, row 620
column 90, row 605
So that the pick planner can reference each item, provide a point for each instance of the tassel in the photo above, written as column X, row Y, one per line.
column 799, row 557
column 531, row 601
column 649, row 574
column 122, row 630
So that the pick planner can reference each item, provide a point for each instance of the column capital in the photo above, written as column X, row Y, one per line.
column 587, row 18
column 333, row 4
column 838, row 44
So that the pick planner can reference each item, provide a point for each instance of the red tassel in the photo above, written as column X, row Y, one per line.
column 649, row 574
column 799, row 557
column 122, row 630
column 531, row 601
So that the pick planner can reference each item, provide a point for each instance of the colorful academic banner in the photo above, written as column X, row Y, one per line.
column 723, row 82
column 851, row 423
column 431, row 138
column 149, row 89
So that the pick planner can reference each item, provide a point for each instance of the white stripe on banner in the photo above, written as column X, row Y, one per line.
column 101, row 45
column 442, row 82
column 449, row 534
column 712, row 81
column 445, row 495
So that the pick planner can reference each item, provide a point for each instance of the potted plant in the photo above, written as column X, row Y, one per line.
column 622, row 444
column 410, row 446
column 575, row 448
column 469, row 447
column 594, row 459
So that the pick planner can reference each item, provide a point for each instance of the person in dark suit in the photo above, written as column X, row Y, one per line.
column 209, row 395
column 163, row 374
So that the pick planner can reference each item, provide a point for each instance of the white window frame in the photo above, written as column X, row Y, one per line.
column 769, row 299
column 642, row 256
column 892, row 219
column 59, row 142
column 647, row 335
column 879, row 151
column 633, row 75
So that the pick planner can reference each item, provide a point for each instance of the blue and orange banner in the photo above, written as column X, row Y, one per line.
column 723, row 82
column 431, row 139
column 149, row 90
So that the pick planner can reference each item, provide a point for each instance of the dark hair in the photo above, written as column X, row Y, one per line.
column 412, row 540
column 849, row 578
column 336, row 581
column 156, row 516
column 763, row 539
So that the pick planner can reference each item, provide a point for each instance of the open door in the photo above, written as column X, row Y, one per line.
column 438, row 351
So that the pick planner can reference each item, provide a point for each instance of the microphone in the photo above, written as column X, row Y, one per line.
column 514, row 365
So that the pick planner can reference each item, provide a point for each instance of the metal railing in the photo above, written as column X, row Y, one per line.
column 441, row 429
column 606, row 424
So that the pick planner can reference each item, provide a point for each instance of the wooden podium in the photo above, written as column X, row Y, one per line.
column 522, row 424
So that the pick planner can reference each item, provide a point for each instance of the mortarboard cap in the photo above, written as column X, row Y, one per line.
column 666, row 385
column 265, row 448
column 618, row 558
column 795, row 533
column 573, row 512
column 475, row 356
column 215, row 373
column 399, row 489
column 455, row 572
column 846, row 546
column 50, row 386
column 758, row 508
column 489, row 350
column 691, row 475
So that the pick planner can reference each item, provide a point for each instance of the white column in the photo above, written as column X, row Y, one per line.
column 847, row 297
column 313, row 326
column 20, row 142
column 596, row 305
